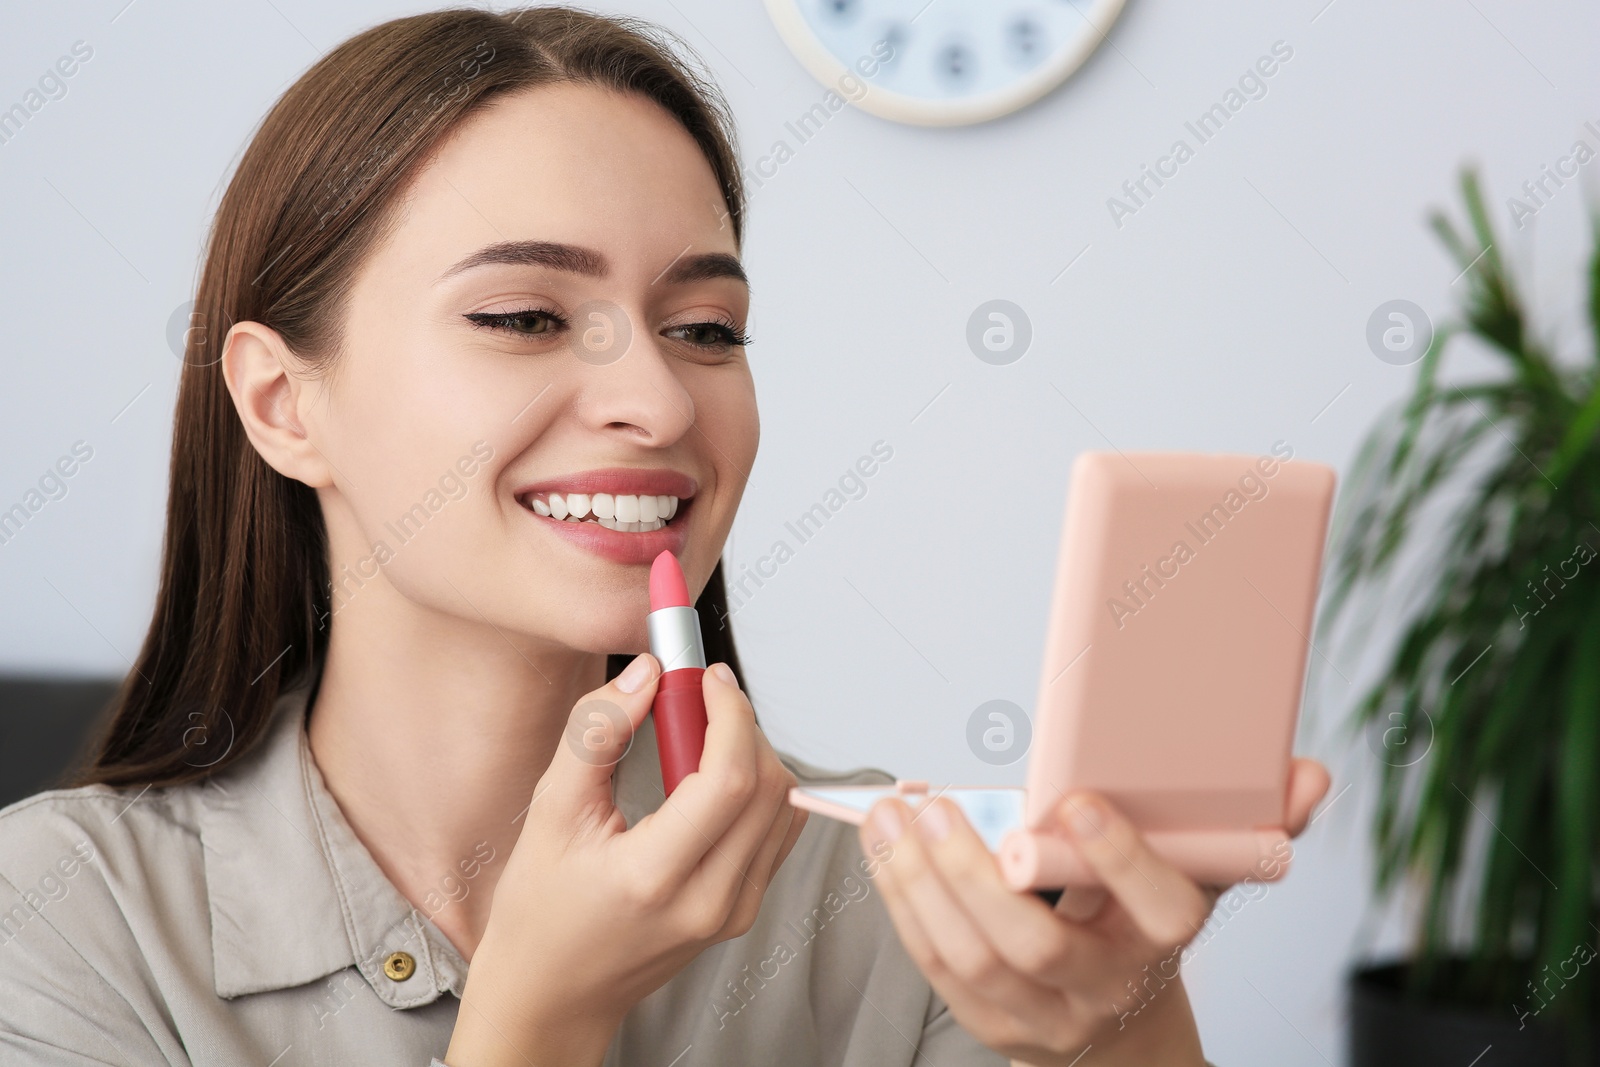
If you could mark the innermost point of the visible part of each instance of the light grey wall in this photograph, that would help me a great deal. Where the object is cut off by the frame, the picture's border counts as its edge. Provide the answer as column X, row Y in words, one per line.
column 1228, row 312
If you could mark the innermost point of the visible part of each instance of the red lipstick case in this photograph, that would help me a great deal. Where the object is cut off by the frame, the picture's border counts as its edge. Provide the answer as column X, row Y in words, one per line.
column 679, row 707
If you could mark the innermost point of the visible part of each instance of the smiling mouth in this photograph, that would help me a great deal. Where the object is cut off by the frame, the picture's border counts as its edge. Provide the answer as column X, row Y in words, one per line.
column 623, row 512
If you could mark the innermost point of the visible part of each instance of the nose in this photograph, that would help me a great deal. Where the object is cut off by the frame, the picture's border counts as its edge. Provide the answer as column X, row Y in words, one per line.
column 637, row 393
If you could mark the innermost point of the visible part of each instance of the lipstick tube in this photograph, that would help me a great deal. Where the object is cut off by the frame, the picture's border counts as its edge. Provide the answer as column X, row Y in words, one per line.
column 679, row 707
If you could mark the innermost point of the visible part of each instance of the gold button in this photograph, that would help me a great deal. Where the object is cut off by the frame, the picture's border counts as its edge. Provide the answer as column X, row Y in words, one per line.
column 399, row 966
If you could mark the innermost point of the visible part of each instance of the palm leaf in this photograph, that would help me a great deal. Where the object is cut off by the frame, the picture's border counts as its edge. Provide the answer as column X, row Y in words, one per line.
column 1476, row 509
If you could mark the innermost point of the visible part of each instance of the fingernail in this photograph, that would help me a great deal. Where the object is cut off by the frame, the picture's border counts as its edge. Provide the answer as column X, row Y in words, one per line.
column 635, row 674
column 1087, row 818
column 933, row 822
column 888, row 821
column 724, row 674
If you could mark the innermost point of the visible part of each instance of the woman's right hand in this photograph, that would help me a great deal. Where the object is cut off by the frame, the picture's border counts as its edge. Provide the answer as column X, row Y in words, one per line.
column 589, row 916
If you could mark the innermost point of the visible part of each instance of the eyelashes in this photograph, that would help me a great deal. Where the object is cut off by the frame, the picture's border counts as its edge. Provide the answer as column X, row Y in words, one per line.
column 545, row 322
column 530, row 322
column 725, row 335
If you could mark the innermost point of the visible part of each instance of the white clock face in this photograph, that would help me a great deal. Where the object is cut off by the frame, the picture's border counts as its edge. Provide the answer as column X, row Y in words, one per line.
column 943, row 62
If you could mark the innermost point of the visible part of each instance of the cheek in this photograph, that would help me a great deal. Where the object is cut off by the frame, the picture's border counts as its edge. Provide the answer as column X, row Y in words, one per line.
column 726, row 416
column 726, row 412
column 396, row 439
column 414, row 452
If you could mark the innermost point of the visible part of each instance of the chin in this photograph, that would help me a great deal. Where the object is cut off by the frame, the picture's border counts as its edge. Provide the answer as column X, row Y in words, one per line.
column 620, row 632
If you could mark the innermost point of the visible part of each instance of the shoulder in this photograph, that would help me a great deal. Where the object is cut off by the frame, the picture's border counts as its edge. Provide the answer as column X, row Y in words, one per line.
column 809, row 772
column 62, row 829
column 118, row 853
column 93, row 881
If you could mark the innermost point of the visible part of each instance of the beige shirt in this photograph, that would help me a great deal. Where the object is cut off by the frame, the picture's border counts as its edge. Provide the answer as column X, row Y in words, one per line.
column 241, row 922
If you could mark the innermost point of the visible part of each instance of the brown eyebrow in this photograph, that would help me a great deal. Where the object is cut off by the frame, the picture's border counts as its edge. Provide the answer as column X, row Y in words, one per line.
column 701, row 267
column 576, row 259
column 572, row 258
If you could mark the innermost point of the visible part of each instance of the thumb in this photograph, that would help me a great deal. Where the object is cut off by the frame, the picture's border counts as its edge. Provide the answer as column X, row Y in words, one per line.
column 1308, row 784
column 598, row 734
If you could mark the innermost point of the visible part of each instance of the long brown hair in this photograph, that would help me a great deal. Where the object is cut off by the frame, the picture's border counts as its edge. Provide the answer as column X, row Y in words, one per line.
column 244, row 570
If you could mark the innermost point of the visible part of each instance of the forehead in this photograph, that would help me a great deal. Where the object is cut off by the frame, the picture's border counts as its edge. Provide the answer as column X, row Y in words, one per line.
column 572, row 163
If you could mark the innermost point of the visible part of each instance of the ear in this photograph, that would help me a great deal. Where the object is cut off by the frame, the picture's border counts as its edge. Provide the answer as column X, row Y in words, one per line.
column 271, row 400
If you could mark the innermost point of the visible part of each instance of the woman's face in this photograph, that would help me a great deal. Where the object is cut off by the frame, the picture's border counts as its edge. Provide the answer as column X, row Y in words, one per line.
column 554, row 325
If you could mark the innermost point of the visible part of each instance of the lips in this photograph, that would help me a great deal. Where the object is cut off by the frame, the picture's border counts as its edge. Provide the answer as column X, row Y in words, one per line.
column 625, row 481
column 624, row 514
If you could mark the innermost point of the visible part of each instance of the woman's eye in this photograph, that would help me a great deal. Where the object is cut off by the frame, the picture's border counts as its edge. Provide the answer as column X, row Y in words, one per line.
column 533, row 322
column 709, row 335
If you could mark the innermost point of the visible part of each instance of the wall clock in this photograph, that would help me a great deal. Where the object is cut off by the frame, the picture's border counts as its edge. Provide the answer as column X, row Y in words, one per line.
column 948, row 62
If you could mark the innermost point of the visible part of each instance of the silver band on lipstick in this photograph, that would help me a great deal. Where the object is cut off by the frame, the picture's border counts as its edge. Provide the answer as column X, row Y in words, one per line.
column 675, row 638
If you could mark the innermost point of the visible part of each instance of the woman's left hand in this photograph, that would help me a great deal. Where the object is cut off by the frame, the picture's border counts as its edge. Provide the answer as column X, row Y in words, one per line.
column 1039, row 984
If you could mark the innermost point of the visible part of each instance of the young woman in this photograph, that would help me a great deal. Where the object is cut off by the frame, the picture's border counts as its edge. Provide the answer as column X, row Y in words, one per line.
column 468, row 351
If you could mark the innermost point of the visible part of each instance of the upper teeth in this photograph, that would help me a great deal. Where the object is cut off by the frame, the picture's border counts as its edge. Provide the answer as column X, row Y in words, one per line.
column 630, row 512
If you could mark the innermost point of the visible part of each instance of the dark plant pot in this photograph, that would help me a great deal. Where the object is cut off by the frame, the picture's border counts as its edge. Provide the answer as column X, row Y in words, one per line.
column 1387, row 1030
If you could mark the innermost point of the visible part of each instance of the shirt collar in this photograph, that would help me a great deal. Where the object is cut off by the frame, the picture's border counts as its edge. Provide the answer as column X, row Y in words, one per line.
column 294, row 894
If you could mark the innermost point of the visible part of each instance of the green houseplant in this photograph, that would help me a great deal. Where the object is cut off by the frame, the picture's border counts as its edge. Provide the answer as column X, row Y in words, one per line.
column 1473, row 517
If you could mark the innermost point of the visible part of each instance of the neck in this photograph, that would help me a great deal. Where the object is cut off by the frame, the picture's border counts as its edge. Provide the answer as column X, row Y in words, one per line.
column 431, row 732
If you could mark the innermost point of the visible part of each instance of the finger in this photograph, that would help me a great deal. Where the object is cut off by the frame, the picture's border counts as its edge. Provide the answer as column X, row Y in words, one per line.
column 1081, row 903
column 797, row 823
column 1163, row 902
column 1029, row 937
column 967, row 957
column 977, row 1013
column 880, row 852
column 679, row 834
column 598, row 733
column 780, row 838
column 726, row 871
column 787, row 825
column 758, row 874
column 796, row 817
column 1308, row 784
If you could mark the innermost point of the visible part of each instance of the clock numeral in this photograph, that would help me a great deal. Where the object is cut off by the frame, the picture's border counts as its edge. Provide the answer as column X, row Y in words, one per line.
column 945, row 62
column 1025, row 40
column 895, row 37
column 843, row 10
column 956, row 61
